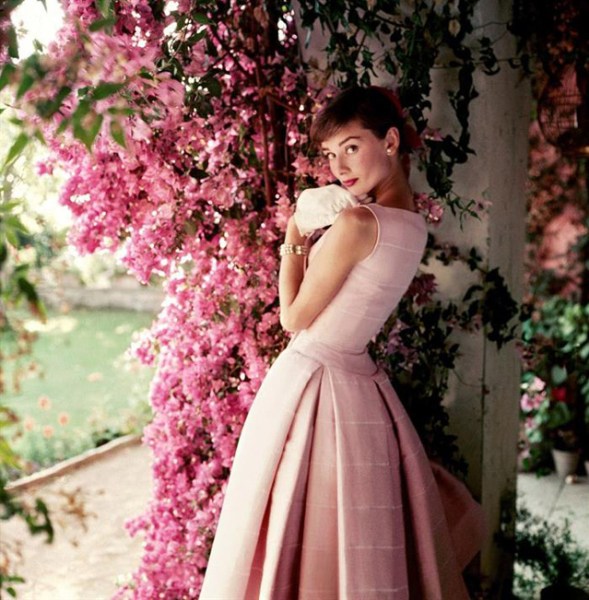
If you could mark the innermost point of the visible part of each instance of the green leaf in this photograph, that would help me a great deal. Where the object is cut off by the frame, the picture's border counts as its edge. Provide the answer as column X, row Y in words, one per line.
column 145, row 74
column 63, row 125
column 12, row 42
column 47, row 108
column 8, row 206
column 15, row 223
column 81, row 111
column 7, row 455
column 12, row 4
column 26, row 83
column 39, row 135
column 94, row 129
column 104, row 23
column 106, row 89
column 558, row 374
column 17, row 147
column 11, row 237
column 87, row 135
column 7, row 71
column 115, row 110
column 201, row 18
column 84, row 91
column 196, row 37
column 198, row 173
column 3, row 253
column 559, row 415
column 105, row 7
column 27, row 289
column 214, row 87
column 118, row 134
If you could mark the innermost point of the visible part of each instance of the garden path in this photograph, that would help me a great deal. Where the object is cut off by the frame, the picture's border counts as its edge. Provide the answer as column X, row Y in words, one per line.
column 87, row 564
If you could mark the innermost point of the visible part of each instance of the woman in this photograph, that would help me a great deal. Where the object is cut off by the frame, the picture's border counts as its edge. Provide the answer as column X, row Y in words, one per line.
column 331, row 495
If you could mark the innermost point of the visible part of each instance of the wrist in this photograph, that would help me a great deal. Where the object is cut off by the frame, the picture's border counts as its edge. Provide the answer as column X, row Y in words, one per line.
column 293, row 235
column 296, row 249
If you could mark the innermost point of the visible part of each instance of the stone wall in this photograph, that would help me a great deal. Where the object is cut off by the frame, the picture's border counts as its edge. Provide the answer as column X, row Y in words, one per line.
column 124, row 293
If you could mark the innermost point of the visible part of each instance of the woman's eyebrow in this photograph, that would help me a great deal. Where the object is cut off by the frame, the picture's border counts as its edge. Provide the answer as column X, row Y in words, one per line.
column 350, row 137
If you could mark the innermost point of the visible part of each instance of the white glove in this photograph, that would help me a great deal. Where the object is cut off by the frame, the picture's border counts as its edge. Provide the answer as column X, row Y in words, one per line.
column 318, row 207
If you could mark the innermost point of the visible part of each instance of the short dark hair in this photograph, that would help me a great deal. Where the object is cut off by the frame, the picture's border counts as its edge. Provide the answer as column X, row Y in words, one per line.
column 373, row 107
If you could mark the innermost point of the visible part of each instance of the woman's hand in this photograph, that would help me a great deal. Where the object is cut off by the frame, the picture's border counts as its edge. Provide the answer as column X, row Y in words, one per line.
column 319, row 207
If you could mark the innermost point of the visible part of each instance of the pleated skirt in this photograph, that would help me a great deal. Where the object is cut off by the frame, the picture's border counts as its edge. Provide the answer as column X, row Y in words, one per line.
column 332, row 497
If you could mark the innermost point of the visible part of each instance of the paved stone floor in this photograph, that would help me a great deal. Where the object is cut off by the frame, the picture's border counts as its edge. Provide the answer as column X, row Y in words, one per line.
column 86, row 563
column 555, row 500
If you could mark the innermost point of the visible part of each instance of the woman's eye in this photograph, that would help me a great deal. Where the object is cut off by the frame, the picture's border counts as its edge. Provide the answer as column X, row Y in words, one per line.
column 328, row 155
column 351, row 149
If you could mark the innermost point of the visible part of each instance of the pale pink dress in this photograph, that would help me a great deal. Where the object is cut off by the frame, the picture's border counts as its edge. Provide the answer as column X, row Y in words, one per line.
column 331, row 495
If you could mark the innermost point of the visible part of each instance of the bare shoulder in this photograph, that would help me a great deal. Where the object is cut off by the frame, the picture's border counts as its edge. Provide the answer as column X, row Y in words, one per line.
column 357, row 218
column 358, row 229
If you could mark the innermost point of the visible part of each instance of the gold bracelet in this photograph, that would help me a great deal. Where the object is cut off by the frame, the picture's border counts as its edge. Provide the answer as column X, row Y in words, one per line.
column 293, row 249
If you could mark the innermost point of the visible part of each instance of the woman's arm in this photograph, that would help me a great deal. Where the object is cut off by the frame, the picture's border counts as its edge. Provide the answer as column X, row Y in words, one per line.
column 304, row 295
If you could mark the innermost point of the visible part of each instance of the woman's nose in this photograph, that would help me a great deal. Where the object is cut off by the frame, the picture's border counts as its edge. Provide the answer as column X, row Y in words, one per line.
column 340, row 165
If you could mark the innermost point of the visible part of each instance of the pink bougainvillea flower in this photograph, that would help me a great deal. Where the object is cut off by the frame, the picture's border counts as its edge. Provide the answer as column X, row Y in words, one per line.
column 422, row 288
column 431, row 208
column 44, row 168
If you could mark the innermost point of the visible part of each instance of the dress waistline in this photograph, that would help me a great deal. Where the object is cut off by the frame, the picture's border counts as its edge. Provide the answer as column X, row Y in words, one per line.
column 352, row 362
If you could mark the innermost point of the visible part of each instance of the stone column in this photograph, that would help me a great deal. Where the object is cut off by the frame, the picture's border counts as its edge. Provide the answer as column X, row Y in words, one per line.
column 484, row 399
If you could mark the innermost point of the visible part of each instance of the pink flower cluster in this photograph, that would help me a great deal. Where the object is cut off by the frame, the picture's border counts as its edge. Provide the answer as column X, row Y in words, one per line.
column 185, row 200
column 431, row 208
column 396, row 346
column 534, row 395
column 422, row 288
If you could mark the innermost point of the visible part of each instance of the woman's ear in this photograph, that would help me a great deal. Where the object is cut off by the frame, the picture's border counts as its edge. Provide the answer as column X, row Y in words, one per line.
column 392, row 141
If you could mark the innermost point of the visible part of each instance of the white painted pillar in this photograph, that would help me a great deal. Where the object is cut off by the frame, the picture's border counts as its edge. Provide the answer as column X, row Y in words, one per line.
column 483, row 401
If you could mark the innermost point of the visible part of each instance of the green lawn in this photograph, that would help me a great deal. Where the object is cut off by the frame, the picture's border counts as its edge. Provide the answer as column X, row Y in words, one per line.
column 86, row 383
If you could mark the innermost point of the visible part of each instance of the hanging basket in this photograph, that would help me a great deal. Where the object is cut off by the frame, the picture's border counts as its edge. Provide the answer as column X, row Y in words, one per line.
column 563, row 111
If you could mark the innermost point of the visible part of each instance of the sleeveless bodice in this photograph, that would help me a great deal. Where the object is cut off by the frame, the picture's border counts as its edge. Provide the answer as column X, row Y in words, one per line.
column 375, row 285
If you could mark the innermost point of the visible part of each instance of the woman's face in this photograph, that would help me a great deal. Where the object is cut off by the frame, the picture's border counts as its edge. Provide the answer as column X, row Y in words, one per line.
column 358, row 158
